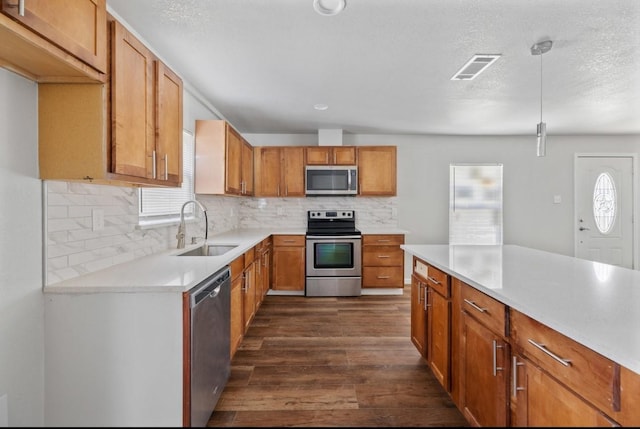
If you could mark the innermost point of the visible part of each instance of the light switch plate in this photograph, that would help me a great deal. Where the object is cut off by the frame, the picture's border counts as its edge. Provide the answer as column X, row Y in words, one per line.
column 557, row 199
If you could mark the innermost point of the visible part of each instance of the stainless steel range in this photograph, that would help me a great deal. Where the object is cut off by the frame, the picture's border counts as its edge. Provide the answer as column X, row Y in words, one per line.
column 334, row 254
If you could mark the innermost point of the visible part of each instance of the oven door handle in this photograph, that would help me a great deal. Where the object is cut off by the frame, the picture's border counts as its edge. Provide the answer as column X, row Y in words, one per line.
column 333, row 237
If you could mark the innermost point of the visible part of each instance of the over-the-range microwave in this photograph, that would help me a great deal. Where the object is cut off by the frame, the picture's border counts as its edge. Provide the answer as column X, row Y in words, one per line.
column 331, row 180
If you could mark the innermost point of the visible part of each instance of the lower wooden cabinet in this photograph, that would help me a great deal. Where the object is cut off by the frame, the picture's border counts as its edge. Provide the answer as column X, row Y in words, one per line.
column 419, row 314
column 236, row 306
column 288, row 263
column 485, row 363
column 537, row 399
column 382, row 261
column 249, row 289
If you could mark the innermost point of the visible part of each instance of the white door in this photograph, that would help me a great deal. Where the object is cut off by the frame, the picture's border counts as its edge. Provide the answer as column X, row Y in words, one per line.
column 604, row 209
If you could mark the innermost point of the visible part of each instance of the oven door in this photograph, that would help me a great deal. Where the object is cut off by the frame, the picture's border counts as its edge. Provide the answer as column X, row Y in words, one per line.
column 333, row 256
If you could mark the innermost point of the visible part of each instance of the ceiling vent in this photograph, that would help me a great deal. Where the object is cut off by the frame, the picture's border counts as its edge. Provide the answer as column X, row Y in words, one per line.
column 476, row 65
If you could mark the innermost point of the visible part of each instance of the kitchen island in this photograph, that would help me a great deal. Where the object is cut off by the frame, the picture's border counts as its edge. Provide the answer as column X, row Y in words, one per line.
column 591, row 304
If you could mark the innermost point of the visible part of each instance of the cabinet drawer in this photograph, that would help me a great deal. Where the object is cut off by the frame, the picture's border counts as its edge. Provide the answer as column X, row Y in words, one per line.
column 382, row 277
column 288, row 240
column 382, row 256
column 433, row 277
column 485, row 309
column 382, row 239
column 237, row 266
column 249, row 257
column 588, row 373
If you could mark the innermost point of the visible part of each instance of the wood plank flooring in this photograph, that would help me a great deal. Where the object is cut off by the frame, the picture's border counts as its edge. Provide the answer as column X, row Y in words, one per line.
column 336, row 361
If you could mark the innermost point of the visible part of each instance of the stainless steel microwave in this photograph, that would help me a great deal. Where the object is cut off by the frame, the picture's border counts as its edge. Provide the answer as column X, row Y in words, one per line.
column 331, row 180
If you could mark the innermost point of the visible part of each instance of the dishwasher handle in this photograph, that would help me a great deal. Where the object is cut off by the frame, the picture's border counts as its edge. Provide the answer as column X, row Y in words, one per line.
column 210, row 287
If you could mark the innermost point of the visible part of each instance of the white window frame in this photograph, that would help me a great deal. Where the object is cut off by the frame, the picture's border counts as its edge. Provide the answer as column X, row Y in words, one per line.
column 161, row 206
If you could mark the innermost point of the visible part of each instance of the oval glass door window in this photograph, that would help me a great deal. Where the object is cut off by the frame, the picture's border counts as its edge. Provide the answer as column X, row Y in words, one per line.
column 604, row 203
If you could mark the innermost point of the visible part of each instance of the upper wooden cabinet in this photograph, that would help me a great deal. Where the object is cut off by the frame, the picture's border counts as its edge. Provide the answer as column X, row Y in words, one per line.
column 331, row 155
column 128, row 132
column 279, row 171
column 224, row 160
column 377, row 171
column 54, row 41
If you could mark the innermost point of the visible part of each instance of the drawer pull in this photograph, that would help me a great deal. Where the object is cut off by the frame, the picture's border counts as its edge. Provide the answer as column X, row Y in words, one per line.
column 383, row 256
column 543, row 348
column 514, row 376
column 473, row 304
column 496, row 368
column 383, row 241
column 384, row 277
column 431, row 279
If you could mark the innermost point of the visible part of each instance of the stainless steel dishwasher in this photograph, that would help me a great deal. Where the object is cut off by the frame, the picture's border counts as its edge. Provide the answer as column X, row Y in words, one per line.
column 210, row 344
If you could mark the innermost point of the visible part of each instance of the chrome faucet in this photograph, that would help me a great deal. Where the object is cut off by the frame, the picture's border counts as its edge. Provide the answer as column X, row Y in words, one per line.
column 182, row 228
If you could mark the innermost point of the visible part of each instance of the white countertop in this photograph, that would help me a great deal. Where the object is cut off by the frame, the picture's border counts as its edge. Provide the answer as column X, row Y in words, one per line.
column 597, row 305
column 165, row 272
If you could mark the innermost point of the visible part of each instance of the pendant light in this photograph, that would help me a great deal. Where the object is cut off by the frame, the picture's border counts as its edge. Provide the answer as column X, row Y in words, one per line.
column 541, row 129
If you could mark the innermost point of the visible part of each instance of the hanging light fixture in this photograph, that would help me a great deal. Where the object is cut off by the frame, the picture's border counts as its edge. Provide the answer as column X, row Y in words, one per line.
column 541, row 130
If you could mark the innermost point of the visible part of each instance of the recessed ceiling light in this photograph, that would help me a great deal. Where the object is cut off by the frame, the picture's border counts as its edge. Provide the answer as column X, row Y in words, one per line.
column 476, row 65
column 329, row 7
column 320, row 106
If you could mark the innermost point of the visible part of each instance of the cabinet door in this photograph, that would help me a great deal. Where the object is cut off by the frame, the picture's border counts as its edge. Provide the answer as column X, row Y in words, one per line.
column 236, row 311
column 77, row 26
column 485, row 374
column 438, row 331
column 249, row 295
column 168, row 125
column 418, row 315
column 377, row 170
column 133, row 131
column 318, row 155
column 247, row 168
column 538, row 400
column 233, row 179
column 344, row 155
column 267, row 168
column 293, row 171
column 288, row 268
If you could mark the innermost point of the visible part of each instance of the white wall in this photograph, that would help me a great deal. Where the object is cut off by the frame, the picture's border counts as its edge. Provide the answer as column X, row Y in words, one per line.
column 21, row 300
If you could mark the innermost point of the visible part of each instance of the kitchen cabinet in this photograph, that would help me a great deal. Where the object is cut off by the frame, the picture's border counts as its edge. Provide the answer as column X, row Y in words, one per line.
column 432, row 319
column 263, row 270
column 236, row 303
column 485, row 360
column 249, row 292
column 224, row 160
column 557, row 381
column 128, row 132
column 279, row 171
column 62, row 41
column 288, row 263
column 331, row 155
column 419, row 314
column 377, row 171
column 382, row 261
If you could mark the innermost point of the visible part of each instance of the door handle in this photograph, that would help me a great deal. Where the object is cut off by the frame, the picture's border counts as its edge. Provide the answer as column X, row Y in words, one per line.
column 584, row 228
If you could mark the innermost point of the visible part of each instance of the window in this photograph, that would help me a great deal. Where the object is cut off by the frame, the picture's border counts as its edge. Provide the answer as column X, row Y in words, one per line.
column 162, row 205
column 475, row 204
column 604, row 203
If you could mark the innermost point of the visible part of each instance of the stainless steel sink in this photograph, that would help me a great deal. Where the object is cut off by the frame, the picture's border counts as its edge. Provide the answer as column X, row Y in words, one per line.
column 209, row 250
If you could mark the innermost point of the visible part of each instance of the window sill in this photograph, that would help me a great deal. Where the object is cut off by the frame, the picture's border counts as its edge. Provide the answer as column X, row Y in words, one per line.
column 160, row 222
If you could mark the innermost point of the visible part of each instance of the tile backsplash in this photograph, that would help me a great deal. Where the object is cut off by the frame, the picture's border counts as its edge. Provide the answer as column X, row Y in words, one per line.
column 73, row 247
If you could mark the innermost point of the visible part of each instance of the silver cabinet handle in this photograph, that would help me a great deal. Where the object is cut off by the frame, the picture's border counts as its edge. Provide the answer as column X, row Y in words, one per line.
column 278, row 189
column 514, row 376
column 473, row 304
column 426, row 297
column 420, row 286
column 384, row 277
column 543, row 348
column 21, row 7
column 166, row 166
column 431, row 279
column 153, row 166
column 496, row 368
column 383, row 256
column 383, row 241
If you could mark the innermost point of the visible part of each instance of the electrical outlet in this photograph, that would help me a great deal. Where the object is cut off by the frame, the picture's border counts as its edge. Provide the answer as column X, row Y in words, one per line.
column 394, row 212
column 97, row 219
column 557, row 199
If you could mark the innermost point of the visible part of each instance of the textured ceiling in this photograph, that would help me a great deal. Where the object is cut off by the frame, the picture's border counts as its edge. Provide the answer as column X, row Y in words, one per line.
column 384, row 66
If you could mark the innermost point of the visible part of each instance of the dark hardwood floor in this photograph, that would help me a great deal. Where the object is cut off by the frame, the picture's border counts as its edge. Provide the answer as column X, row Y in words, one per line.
column 345, row 361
